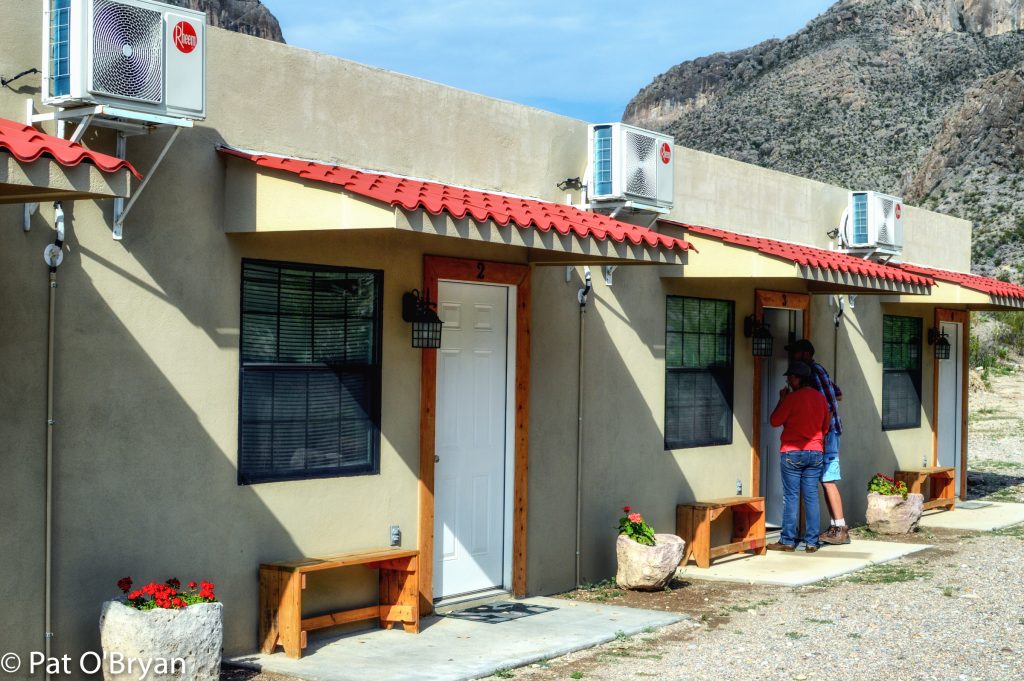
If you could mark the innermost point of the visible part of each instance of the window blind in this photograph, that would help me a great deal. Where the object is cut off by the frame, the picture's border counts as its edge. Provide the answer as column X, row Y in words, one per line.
column 310, row 372
column 698, row 372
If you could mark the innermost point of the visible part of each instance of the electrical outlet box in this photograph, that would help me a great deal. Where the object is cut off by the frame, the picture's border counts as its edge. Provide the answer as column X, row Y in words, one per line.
column 396, row 535
column 739, row 488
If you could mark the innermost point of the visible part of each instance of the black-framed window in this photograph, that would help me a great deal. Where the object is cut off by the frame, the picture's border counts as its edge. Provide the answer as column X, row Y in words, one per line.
column 310, row 372
column 698, row 372
column 901, row 372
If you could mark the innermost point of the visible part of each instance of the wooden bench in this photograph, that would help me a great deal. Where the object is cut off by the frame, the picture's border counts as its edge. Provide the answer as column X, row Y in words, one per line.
column 281, row 585
column 940, row 482
column 693, row 524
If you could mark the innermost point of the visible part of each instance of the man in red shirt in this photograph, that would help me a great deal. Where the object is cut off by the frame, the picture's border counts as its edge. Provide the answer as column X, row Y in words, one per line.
column 804, row 416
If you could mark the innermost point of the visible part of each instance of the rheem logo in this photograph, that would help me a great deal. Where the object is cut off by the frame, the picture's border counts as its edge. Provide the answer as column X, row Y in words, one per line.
column 185, row 38
column 666, row 153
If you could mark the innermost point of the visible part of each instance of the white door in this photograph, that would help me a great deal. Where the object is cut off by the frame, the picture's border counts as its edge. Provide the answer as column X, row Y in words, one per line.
column 470, row 445
column 951, row 401
column 780, row 323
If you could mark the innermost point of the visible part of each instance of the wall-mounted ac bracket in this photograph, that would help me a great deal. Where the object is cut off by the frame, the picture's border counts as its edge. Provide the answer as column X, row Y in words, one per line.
column 127, row 124
column 615, row 208
column 881, row 255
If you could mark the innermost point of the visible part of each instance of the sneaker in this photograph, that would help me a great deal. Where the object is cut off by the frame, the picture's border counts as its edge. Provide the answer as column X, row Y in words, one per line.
column 840, row 536
column 831, row 532
column 810, row 549
column 779, row 546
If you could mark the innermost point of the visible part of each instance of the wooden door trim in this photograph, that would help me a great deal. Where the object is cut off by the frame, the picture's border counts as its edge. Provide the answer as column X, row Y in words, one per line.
column 482, row 272
column 787, row 300
column 963, row 318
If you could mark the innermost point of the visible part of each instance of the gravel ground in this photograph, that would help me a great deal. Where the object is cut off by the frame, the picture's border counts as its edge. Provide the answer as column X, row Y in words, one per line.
column 953, row 612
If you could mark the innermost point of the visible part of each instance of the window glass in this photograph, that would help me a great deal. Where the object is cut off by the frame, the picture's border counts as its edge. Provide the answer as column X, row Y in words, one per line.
column 901, row 367
column 310, row 372
column 698, row 372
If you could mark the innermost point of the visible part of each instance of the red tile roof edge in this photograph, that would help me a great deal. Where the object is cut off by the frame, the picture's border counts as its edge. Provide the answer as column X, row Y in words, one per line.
column 481, row 206
column 975, row 282
column 27, row 144
column 810, row 256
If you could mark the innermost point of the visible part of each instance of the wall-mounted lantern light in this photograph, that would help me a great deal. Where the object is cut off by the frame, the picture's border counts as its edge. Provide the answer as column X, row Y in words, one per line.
column 941, row 342
column 421, row 313
column 762, row 341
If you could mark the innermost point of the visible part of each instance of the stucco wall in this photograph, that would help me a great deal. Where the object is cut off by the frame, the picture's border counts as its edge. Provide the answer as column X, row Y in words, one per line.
column 624, row 461
column 719, row 192
column 866, row 449
column 147, row 336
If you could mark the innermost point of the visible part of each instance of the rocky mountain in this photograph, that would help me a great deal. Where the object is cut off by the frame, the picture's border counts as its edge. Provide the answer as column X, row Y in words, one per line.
column 243, row 16
column 919, row 98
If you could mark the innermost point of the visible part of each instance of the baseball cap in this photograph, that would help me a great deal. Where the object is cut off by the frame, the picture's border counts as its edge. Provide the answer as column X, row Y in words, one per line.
column 800, row 369
column 802, row 345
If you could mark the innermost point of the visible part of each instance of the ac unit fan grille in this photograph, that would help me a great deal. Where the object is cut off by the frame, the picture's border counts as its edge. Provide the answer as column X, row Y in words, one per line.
column 641, row 165
column 886, row 228
column 128, row 51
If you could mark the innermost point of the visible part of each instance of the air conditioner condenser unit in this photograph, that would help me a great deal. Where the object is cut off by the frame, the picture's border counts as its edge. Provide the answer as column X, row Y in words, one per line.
column 135, row 55
column 873, row 223
column 630, row 165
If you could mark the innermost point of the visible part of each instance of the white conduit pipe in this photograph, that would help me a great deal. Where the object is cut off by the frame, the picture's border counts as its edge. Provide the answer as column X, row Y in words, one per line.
column 53, row 256
column 581, row 296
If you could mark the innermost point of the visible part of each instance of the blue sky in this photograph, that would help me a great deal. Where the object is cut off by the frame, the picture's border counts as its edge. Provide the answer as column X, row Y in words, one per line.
column 584, row 60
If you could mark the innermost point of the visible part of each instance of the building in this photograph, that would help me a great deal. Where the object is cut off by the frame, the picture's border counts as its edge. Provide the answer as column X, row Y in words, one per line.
column 203, row 427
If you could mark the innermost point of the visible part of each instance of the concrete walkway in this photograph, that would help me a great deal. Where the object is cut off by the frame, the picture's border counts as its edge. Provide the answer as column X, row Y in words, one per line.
column 992, row 515
column 449, row 648
column 799, row 568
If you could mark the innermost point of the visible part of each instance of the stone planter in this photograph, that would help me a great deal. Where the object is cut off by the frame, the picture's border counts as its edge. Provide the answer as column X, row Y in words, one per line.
column 179, row 645
column 892, row 514
column 647, row 568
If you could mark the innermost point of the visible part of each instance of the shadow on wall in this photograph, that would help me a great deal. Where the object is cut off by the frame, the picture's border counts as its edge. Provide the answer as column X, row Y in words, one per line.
column 865, row 448
column 145, row 479
column 142, row 496
column 624, row 461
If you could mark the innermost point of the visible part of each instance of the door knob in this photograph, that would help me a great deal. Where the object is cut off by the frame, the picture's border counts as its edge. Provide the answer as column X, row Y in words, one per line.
column 437, row 459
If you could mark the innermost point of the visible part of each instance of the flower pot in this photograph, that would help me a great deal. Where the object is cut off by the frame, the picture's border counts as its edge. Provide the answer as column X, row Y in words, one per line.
column 892, row 514
column 647, row 568
column 183, row 644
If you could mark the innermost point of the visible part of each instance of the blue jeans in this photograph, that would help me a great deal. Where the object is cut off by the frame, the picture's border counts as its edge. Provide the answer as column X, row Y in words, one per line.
column 801, row 471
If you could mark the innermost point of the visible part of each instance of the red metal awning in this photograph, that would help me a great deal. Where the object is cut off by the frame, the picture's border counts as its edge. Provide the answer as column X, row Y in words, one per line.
column 813, row 258
column 27, row 144
column 999, row 291
column 459, row 202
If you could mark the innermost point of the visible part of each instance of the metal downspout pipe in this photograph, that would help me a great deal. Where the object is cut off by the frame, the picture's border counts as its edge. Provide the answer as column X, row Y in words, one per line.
column 53, row 255
column 581, row 296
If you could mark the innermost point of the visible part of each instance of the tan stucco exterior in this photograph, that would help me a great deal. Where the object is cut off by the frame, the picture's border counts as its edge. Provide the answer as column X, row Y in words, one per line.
column 148, row 327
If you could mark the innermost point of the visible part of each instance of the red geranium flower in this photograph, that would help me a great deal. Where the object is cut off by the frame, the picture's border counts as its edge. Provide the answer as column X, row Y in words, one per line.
column 166, row 595
column 627, row 509
column 124, row 584
column 635, row 518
